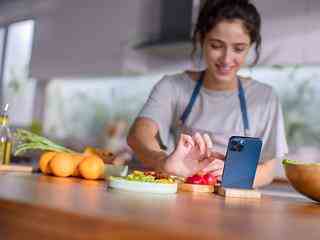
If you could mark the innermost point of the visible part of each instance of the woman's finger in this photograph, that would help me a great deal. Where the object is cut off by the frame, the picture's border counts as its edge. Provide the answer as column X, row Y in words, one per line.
column 208, row 143
column 200, row 142
column 203, row 164
column 217, row 155
column 189, row 140
column 216, row 165
column 217, row 175
column 186, row 141
column 217, row 172
column 210, row 168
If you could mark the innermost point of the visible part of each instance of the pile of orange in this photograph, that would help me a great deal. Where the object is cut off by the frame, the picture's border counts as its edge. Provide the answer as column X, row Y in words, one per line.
column 87, row 165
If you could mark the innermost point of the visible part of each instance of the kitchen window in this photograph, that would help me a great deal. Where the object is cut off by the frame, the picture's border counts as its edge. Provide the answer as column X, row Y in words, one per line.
column 298, row 89
column 17, row 88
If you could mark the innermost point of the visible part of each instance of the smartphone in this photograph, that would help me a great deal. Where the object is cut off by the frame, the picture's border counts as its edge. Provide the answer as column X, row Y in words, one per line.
column 241, row 161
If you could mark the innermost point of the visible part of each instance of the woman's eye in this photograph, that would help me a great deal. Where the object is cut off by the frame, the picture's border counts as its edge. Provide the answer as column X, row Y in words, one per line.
column 216, row 46
column 239, row 50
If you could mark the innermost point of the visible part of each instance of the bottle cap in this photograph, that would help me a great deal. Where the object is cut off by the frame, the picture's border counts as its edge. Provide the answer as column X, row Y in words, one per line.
column 4, row 115
column 6, row 107
column 5, row 110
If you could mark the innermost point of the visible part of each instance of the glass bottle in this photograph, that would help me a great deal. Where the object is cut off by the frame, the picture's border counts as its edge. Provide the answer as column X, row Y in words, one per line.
column 5, row 137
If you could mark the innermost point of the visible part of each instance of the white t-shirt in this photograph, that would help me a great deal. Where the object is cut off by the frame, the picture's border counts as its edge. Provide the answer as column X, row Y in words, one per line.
column 217, row 113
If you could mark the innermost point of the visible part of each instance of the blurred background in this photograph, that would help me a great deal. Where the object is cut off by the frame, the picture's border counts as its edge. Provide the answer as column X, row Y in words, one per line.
column 79, row 71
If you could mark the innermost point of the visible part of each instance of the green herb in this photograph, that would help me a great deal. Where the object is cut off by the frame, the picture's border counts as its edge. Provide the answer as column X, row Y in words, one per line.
column 29, row 141
column 287, row 161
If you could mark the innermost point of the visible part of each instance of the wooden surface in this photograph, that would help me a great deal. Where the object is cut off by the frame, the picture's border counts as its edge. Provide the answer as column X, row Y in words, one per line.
column 33, row 206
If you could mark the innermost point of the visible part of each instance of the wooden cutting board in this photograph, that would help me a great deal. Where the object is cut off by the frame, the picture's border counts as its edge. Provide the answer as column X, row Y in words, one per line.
column 16, row 168
column 196, row 188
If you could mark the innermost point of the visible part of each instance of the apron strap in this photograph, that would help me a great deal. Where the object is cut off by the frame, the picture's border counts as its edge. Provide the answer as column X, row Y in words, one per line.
column 242, row 101
column 243, row 108
column 192, row 100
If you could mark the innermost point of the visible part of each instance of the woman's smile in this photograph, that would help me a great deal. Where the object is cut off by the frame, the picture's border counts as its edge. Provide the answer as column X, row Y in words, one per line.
column 224, row 70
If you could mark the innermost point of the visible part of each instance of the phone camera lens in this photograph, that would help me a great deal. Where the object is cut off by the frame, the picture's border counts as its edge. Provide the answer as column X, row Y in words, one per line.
column 237, row 144
column 234, row 142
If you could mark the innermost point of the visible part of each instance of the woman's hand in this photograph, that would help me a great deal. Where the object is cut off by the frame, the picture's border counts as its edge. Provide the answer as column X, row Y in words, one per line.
column 122, row 158
column 191, row 155
column 215, row 168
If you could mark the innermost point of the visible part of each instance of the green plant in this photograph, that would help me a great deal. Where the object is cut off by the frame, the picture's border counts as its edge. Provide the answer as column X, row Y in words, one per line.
column 299, row 112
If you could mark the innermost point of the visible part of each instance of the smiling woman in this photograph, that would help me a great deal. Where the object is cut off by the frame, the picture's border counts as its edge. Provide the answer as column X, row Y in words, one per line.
column 225, row 49
column 185, row 125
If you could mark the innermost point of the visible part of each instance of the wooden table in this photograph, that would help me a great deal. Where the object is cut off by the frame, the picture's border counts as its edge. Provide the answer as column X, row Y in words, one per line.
column 34, row 206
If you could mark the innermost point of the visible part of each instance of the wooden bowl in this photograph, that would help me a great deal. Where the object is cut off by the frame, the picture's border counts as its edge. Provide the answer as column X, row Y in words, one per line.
column 305, row 178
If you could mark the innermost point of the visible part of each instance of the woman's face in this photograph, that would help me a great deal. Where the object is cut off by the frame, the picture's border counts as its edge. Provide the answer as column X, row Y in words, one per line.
column 225, row 49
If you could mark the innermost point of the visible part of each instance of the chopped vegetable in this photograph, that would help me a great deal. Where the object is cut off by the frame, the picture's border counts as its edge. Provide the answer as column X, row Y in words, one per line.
column 287, row 161
column 151, row 177
column 207, row 179
column 210, row 179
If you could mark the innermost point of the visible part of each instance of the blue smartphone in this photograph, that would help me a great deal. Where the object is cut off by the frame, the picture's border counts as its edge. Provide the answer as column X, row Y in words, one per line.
column 241, row 161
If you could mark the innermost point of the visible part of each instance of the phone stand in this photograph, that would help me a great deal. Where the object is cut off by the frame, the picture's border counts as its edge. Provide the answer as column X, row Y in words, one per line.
column 237, row 192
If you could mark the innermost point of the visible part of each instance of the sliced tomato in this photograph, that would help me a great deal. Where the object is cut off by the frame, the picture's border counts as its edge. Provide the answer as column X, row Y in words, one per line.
column 189, row 180
column 210, row 179
column 195, row 179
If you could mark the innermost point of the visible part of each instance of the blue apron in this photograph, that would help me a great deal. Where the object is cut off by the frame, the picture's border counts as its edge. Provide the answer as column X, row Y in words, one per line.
column 242, row 100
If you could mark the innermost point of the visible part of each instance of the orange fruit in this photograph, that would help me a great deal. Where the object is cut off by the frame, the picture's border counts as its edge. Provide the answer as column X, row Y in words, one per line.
column 106, row 155
column 62, row 165
column 92, row 167
column 45, row 160
column 90, row 151
column 77, row 158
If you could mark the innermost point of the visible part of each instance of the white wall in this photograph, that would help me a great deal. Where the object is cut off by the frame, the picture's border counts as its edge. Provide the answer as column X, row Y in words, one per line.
column 290, row 31
column 88, row 38
column 94, row 37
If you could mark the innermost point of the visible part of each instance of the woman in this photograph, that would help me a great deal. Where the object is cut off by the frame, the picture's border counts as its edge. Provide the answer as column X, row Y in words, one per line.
column 185, row 125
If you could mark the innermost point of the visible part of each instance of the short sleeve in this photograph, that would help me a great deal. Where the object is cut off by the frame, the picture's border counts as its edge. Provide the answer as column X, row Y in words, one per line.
column 273, row 135
column 160, row 107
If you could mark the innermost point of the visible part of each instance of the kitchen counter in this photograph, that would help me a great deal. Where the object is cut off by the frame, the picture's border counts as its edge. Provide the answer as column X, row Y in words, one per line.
column 33, row 206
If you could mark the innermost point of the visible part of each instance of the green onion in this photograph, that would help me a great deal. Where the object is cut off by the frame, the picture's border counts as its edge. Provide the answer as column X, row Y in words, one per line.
column 29, row 141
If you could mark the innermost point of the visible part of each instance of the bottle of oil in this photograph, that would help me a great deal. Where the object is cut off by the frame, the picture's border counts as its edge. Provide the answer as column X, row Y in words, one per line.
column 5, row 137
